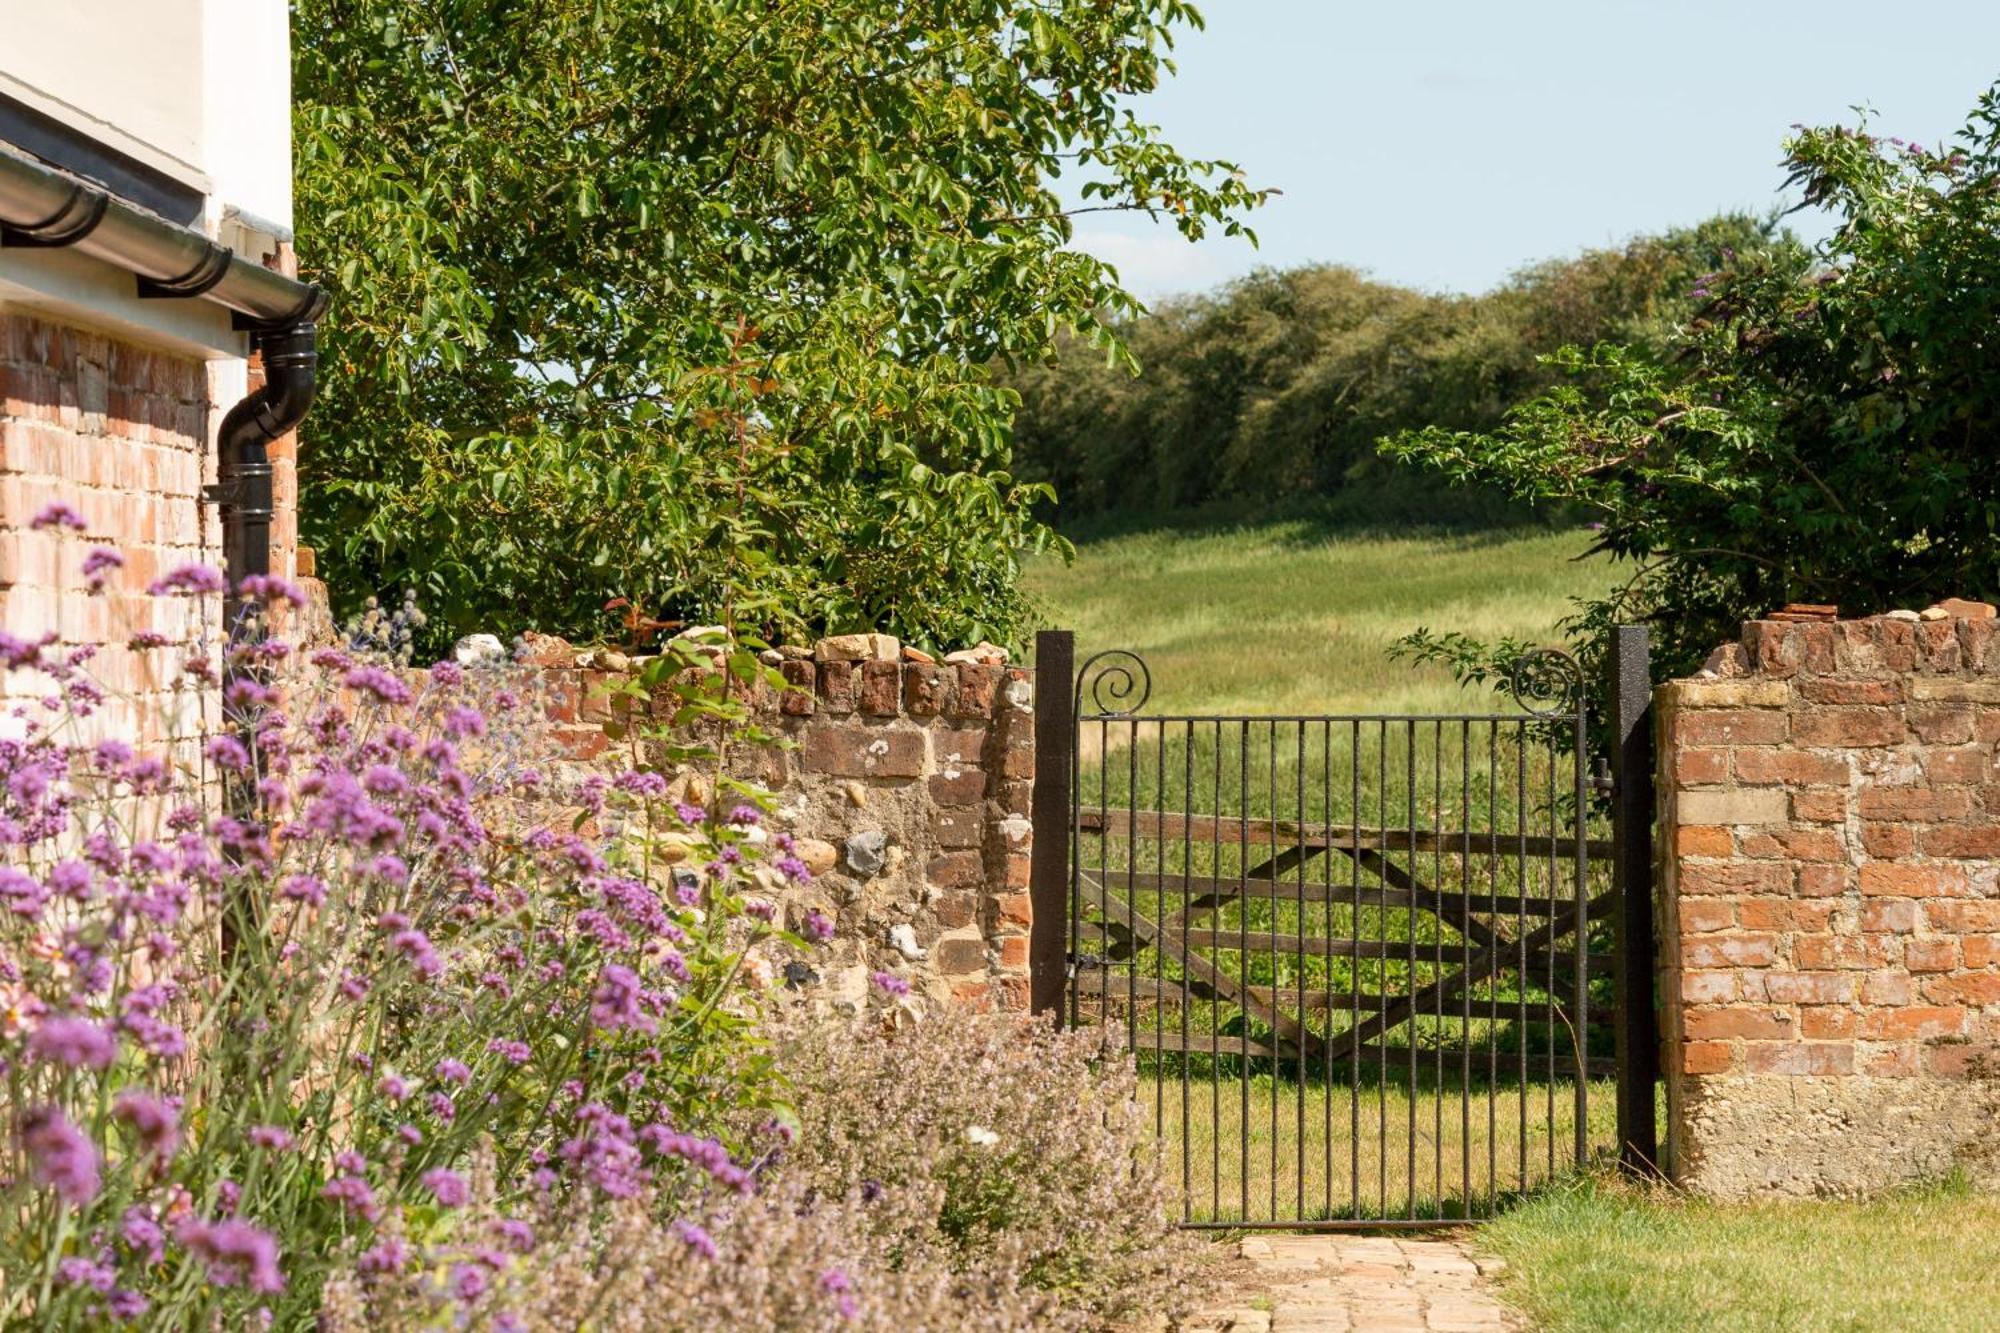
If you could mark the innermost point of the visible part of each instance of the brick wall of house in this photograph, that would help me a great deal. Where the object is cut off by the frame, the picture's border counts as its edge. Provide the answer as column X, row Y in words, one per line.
column 121, row 433
column 1831, row 942
column 907, row 784
column 124, row 433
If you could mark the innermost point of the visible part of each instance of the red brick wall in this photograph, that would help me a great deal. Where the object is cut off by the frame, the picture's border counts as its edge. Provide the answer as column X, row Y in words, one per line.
column 1832, row 901
column 121, row 433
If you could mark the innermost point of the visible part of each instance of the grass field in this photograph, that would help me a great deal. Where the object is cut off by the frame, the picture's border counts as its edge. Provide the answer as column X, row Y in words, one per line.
column 1591, row 1255
column 1263, row 1148
column 1295, row 617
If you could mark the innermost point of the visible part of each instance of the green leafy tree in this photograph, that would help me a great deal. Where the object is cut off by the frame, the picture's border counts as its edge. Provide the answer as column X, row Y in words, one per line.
column 1822, row 429
column 689, row 302
column 1281, row 383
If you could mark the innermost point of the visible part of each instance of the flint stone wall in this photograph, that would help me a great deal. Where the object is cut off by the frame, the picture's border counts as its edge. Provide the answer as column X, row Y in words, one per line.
column 907, row 785
column 1831, row 896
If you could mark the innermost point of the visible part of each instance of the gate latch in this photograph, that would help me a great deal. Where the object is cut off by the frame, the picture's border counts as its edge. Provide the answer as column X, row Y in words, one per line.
column 1601, row 780
column 1079, row 962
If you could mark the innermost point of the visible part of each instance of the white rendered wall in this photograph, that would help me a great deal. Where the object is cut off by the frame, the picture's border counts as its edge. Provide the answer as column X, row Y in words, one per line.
column 129, row 73
column 197, row 89
column 247, row 96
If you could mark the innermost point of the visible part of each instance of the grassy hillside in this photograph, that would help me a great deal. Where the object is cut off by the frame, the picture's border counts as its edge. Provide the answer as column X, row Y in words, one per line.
column 1292, row 616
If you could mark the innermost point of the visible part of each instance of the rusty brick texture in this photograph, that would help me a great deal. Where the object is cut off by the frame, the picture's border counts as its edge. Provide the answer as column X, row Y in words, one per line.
column 119, row 432
column 1830, row 903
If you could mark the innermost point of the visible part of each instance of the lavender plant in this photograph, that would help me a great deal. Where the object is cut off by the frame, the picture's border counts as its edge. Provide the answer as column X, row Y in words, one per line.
column 249, row 1046
column 1018, row 1153
column 970, row 1172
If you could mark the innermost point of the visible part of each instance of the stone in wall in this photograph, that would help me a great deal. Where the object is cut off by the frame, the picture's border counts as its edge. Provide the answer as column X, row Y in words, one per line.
column 1831, row 903
column 907, row 784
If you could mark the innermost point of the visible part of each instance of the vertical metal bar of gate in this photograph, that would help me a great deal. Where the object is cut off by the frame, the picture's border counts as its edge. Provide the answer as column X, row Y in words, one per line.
column 1051, row 810
column 1580, row 759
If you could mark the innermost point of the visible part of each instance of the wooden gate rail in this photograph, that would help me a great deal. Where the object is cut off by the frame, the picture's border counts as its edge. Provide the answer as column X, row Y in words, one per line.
column 1232, row 830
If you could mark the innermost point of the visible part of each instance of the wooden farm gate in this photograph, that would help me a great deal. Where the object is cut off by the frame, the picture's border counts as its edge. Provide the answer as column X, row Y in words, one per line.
column 1373, row 969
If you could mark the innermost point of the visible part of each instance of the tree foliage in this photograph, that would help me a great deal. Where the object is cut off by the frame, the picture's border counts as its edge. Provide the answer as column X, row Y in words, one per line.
column 1281, row 383
column 689, row 302
column 1822, row 429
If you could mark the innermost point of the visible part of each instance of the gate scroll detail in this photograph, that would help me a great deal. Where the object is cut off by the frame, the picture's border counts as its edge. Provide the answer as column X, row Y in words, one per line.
column 1351, row 954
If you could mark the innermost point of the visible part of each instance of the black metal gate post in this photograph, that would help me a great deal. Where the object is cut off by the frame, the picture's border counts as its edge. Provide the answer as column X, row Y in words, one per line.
column 1637, row 1029
column 1055, row 774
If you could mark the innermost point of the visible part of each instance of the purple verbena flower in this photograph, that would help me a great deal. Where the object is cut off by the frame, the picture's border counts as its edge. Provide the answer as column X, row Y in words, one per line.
column 354, row 1194
column 617, row 1002
column 58, row 515
column 142, row 1235
column 190, row 579
column 308, row 889
column 515, row 1234
column 155, row 1121
column 59, row 1156
column 269, row 588
column 385, row 685
column 98, row 563
column 513, row 1052
column 697, row 1238
column 236, row 1253
column 82, row 1271
column 227, row 752
column 447, row 1187
column 75, row 1042
column 836, row 1283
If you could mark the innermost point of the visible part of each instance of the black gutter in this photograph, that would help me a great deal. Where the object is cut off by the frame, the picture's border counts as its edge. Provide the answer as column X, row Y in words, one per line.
column 42, row 207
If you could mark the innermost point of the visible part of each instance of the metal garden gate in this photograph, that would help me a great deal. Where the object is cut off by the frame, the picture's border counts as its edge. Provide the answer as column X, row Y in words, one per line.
column 1374, row 970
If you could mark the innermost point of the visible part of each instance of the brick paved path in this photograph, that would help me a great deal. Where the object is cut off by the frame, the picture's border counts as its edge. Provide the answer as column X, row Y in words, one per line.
column 1355, row 1284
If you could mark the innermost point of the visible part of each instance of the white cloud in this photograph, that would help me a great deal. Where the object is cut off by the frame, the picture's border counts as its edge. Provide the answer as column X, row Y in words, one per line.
column 1156, row 264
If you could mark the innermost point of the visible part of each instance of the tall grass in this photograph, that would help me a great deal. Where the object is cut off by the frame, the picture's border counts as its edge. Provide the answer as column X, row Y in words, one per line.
column 1296, row 617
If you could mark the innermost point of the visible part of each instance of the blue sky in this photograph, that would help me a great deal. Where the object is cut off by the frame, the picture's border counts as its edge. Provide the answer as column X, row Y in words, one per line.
column 1444, row 143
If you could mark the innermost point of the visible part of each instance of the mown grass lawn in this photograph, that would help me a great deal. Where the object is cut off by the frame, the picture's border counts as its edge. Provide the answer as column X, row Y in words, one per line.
column 1298, row 616
column 1597, row 1255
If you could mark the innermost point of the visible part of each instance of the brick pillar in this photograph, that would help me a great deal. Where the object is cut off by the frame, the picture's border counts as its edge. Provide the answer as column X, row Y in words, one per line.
column 1831, row 932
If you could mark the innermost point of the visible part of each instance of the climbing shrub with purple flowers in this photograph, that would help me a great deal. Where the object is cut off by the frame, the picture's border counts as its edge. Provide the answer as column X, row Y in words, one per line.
column 274, row 999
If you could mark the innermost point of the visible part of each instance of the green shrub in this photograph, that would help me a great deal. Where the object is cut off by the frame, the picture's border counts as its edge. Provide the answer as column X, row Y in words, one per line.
column 1821, row 428
column 656, row 300
column 1278, row 386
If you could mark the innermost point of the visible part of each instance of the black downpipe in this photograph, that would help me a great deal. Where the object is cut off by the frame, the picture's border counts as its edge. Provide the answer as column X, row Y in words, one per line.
column 245, row 493
column 291, row 360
